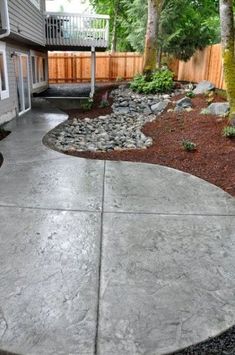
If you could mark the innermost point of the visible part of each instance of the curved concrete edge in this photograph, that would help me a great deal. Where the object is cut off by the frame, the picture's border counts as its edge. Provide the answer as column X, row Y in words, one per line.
column 1, row 159
column 48, row 144
column 129, row 168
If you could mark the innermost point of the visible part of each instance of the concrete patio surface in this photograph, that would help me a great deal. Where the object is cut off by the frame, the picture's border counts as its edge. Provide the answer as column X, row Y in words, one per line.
column 108, row 257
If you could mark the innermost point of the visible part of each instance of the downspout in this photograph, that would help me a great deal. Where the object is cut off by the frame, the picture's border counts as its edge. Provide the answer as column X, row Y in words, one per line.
column 5, row 21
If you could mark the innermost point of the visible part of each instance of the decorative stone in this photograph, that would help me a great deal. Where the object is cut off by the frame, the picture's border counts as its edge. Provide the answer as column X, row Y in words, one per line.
column 184, row 102
column 203, row 87
column 218, row 108
column 160, row 107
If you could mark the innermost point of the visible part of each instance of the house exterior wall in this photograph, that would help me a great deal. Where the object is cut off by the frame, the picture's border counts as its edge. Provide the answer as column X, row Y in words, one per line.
column 27, row 34
column 9, row 106
column 27, row 21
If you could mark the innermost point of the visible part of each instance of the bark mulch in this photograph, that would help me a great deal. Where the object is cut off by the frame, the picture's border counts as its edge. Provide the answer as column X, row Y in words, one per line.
column 213, row 160
column 3, row 134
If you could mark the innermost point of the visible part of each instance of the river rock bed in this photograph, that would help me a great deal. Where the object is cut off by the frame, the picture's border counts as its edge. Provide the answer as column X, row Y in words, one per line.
column 116, row 131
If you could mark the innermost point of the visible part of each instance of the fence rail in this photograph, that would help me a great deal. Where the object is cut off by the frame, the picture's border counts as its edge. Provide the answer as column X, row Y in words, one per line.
column 204, row 65
column 75, row 67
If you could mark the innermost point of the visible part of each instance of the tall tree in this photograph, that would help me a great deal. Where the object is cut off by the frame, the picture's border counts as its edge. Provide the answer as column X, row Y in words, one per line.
column 115, row 24
column 151, row 39
column 227, row 41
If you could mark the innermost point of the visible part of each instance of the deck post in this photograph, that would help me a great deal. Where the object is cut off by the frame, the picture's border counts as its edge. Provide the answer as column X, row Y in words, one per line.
column 93, row 70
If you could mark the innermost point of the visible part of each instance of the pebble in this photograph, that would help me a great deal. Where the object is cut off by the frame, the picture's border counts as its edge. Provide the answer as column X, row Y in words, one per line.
column 117, row 131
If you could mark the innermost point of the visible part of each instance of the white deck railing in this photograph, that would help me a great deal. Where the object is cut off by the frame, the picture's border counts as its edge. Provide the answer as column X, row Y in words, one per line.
column 76, row 30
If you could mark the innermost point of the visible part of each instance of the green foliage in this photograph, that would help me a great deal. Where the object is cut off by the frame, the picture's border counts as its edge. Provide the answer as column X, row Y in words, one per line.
column 188, row 26
column 188, row 145
column 190, row 94
column 185, row 26
column 104, row 103
column 229, row 131
column 205, row 111
column 160, row 81
column 86, row 105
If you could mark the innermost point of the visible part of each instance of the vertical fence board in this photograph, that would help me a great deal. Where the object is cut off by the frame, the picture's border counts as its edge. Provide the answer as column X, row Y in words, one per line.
column 74, row 67
column 204, row 65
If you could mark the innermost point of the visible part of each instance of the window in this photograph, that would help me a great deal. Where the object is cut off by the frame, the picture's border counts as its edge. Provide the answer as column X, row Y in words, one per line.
column 39, row 69
column 4, row 19
column 4, row 89
column 36, row 3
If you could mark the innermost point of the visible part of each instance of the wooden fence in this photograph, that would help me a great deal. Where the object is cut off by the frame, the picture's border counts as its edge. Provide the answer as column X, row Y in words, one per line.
column 204, row 65
column 74, row 67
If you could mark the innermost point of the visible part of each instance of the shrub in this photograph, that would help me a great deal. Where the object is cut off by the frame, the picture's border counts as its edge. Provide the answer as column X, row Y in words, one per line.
column 188, row 145
column 86, row 105
column 205, row 111
column 104, row 103
column 190, row 94
column 229, row 131
column 160, row 81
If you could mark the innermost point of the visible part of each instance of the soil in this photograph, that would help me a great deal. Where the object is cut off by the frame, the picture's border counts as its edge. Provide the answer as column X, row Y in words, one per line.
column 3, row 134
column 213, row 160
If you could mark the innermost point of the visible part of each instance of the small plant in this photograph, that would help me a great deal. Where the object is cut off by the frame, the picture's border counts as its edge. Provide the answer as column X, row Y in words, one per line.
column 86, row 105
column 229, row 131
column 160, row 81
column 104, row 103
column 188, row 145
column 205, row 111
column 119, row 78
column 190, row 94
column 210, row 96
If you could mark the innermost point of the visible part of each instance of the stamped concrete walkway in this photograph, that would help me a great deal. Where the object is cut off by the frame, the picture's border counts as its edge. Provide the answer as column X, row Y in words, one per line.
column 108, row 257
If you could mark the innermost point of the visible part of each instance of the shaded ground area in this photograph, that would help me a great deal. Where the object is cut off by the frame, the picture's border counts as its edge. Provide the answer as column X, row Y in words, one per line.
column 3, row 134
column 71, row 90
column 221, row 345
column 214, row 159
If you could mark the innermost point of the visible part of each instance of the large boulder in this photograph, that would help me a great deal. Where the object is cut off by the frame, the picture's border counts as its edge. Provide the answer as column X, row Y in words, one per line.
column 203, row 87
column 159, row 107
column 185, row 102
column 218, row 108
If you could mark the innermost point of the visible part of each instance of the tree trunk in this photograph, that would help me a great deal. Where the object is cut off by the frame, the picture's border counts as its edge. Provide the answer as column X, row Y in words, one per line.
column 114, row 32
column 227, row 42
column 151, row 54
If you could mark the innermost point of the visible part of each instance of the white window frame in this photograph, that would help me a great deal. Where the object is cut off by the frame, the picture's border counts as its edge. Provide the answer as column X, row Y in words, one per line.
column 36, row 3
column 19, row 56
column 39, row 83
column 4, row 94
column 4, row 18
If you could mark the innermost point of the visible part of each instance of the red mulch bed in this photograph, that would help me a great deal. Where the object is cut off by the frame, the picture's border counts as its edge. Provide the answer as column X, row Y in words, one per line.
column 214, row 159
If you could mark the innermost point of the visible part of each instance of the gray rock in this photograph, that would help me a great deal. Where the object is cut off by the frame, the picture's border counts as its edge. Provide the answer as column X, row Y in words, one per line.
column 123, row 103
column 203, row 87
column 159, row 107
column 218, row 108
column 184, row 102
column 122, row 110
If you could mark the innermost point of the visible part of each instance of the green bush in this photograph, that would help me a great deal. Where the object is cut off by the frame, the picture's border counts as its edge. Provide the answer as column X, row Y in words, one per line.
column 190, row 94
column 160, row 81
column 188, row 145
column 104, row 103
column 86, row 105
column 229, row 131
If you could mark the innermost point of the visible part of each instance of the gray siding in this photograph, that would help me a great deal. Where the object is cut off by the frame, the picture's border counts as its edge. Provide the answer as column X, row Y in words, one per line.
column 11, row 104
column 8, row 105
column 27, row 21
